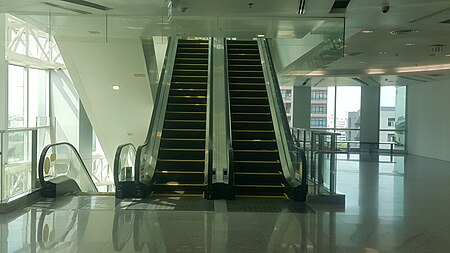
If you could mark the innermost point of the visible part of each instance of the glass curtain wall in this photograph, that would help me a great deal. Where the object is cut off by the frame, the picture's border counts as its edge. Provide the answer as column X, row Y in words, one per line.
column 393, row 116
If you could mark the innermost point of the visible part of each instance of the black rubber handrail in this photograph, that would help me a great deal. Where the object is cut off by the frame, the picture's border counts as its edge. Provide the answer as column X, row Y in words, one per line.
column 137, row 163
column 285, row 121
column 43, row 156
column 117, row 161
column 211, row 113
column 228, row 123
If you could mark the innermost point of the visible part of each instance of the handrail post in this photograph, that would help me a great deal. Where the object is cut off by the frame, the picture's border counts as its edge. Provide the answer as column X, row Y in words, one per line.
column 34, row 157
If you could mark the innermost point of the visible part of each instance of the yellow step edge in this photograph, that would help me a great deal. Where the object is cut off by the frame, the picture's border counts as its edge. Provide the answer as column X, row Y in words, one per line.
column 179, row 172
column 181, row 82
column 255, row 140
column 186, row 104
column 262, row 196
column 250, row 113
column 240, row 59
column 179, row 129
column 187, row 96
column 257, row 84
column 198, row 70
column 190, row 89
column 191, row 64
column 269, row 162
column 189, row 76
column 260, row 173
column 190, row 59
column 253, row 131
column 181, row 161
column 182, row 185
column 175, row 112
column 259, row 186
column 244, row 77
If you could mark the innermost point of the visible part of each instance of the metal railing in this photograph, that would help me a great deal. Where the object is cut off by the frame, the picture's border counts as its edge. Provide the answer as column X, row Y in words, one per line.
column 18, row 160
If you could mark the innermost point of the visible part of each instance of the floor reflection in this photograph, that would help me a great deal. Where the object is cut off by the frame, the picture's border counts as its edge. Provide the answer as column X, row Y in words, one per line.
column 392, row 206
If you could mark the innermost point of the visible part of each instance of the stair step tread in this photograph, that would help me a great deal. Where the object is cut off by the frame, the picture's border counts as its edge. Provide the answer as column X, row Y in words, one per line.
column 261, row 91
column 192, row 70
column 190, row 89
column 182, row 139
column 252, row 122
column 178, row 184
column 249, row 97
column 184, row 120
column 256, row 84
column 176, row 194
column 259, row 173
column 184, row 82
column 284, row 196
column 249, row 105
column 274, row 162
column 182, row 149
column 181, row 160
column 253, row 131
column 260, row 185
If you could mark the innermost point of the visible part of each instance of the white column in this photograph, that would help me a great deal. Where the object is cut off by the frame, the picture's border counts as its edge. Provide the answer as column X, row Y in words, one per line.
column 3, row 75
column 370, row 117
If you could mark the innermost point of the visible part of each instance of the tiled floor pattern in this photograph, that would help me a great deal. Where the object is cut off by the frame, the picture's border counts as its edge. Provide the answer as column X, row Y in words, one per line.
column 399, row 206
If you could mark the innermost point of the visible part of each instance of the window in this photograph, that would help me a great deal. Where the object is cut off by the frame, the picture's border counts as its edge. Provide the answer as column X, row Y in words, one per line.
column 319, row 109
column 17, row 96
column 391, row 122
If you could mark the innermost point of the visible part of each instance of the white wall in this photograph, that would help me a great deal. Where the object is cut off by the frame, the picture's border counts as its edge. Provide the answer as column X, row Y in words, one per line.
column 117, row 117
column 428, row 120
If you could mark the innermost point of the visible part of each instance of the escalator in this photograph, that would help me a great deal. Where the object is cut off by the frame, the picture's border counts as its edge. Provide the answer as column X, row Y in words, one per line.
column 180, row 167
column 257, row 170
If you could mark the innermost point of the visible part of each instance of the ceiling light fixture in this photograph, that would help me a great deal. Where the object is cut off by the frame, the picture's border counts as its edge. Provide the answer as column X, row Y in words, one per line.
column 261, row 35
column 316, row 73
column 301, row 7
column 116, row 87
column 410, row 44
column 375, row 71
column 382, row 52
column 448, row 55
column 423, row 68
column 367, row 31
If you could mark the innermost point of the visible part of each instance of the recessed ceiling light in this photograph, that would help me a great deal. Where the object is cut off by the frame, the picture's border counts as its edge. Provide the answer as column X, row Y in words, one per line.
column 410, row 44
column 261, row 35
column 448, row 55
column 116, row 87
column 93, row 32
column 367, row 31
column 382, row 52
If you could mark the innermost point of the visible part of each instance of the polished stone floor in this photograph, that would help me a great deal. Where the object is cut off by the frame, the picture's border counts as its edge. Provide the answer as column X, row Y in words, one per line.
column 391, row 206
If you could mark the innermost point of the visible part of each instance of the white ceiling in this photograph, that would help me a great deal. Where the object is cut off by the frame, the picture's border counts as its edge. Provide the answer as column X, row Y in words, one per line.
column 234, row 18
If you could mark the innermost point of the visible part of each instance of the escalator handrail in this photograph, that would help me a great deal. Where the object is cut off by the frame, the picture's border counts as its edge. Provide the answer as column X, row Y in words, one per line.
column 280, row 105
column 285, row 121
column 211, row 112
column 229, row 136
column 154, row 114
column 43, row 156
column 117, row 160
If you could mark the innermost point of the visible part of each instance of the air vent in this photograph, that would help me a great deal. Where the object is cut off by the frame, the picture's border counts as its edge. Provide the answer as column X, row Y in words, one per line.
column 88, row 4
column 66, row 8
column 339, row 6
column 403, row 32
column 436, row 48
